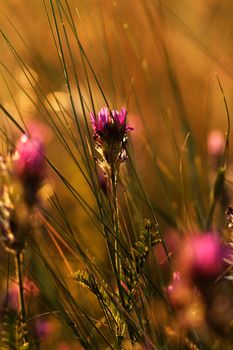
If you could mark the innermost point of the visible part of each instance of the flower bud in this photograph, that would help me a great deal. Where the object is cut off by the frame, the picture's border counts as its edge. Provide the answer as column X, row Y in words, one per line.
column 29, row 166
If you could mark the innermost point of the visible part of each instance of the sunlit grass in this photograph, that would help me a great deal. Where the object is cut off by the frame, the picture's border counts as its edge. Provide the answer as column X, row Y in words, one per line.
column 102, row 254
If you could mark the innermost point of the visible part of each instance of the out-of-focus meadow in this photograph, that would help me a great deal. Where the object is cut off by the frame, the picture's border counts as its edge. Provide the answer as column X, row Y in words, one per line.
column 159, row 59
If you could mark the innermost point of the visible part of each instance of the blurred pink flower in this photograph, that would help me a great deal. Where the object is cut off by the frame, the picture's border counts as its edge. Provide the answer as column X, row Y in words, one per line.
column 28, row 157
column 29, row 165
column 202, row 258
column 44, row 328
column 215, row 143
column 30, row 290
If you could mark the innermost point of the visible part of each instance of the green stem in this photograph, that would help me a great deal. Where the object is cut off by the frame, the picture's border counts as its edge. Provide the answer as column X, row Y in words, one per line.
column 19, row 270
column 115, row 220
column 117, row 262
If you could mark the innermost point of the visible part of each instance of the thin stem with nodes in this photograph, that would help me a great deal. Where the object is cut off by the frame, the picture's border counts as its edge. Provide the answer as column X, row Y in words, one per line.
column 117, row 262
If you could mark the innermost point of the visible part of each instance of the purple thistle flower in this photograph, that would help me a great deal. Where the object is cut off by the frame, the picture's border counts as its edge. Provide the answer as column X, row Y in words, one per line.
column 29, row 165
column 108, row 122
column 110, row 135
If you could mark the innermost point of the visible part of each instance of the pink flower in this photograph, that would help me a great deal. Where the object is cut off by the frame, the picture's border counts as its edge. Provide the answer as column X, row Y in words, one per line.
column 215, row 143
column 44, row 328
column 29, row 165
column 110, row 122
column 202, row 258
column 28, row 158
column 30, row 291
column 110, row 134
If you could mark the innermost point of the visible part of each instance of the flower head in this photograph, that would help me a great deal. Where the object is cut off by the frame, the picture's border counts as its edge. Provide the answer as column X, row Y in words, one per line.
column 215, row 143
column 203, row 258
column 110, row 123
column 110, row 135
column 28, row 159
column 29, row 165
column 22, row 174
